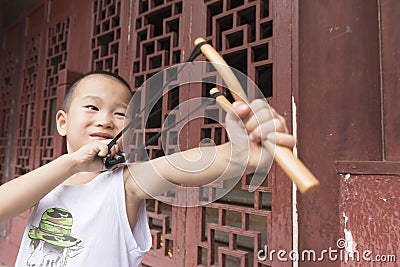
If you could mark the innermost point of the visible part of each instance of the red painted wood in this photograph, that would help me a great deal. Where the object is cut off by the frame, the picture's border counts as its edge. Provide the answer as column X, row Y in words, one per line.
column 338, row 107
column 369, row 167
column 390, row 17
column 28, row 99
column 370, row 218
column 9, row 73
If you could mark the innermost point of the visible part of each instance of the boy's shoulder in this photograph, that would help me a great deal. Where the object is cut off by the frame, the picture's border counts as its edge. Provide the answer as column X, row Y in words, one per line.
column 133, row 191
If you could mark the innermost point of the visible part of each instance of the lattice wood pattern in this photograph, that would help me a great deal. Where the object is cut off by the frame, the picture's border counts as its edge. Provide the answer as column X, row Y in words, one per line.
column 157, row 44
column 27, row 114
column 230, row 234
column 242, row 32
column 7, row 85
column 56, row 59
column 106, row 35
column 236, row 227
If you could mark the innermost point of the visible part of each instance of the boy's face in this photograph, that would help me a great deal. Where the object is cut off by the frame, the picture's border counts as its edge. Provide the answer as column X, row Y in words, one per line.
column 96, row 113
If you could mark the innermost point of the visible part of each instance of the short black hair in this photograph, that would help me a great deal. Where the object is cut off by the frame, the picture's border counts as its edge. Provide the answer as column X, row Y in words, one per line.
column 70, row 91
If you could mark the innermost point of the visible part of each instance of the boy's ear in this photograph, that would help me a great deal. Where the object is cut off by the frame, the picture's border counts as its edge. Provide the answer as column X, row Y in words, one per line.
column 61, row 120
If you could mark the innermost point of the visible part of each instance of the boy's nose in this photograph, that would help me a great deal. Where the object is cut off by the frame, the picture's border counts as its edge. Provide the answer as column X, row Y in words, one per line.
column 105, row 122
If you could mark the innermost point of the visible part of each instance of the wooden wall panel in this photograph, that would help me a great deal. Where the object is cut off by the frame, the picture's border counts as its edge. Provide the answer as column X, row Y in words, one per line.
column 390, row 17
column 338, row 107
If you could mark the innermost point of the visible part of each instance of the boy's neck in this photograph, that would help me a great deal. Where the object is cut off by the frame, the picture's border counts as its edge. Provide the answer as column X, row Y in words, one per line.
column 81, row 178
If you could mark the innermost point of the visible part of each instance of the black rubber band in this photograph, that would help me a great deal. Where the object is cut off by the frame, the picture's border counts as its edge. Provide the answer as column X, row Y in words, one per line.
column 201, row 44
column 216, row 94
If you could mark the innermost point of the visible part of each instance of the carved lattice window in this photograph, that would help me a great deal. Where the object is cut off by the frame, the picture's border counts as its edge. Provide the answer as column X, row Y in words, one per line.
column 27, row 113
column 7, row 85
column 157, row 45
column 106, row 35
column 56, row 59
column 238, row 225
column 234, row 228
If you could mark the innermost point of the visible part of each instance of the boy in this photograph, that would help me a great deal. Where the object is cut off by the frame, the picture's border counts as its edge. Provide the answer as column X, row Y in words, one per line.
column 85, row 216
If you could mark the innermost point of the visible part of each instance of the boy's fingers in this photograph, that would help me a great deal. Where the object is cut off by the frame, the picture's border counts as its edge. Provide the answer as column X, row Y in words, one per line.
column 241, row 109
column 261, row 126
column 261, row 112
column 258, row 118
column 103, row 150
column 259, row 104
column 282, row 139
column 262, row 131
column 234, row 125
column 261, row 120
column 114, row 149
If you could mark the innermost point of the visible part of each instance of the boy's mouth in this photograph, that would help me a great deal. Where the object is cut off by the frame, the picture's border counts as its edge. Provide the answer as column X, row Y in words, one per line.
column 101, row 136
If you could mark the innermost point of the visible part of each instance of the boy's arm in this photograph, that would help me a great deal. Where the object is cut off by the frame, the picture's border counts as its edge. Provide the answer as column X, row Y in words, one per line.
column 244, row 154
column 203, row 165
column 152, row 178
column 197, row 166
column 23, row 192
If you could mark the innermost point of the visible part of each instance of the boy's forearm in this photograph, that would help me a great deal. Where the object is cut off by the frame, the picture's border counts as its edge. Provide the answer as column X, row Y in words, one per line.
column 197, row 166
column 22, row 193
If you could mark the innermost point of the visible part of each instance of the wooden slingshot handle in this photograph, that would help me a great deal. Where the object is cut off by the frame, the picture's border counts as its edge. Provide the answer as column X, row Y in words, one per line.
column 305, row 181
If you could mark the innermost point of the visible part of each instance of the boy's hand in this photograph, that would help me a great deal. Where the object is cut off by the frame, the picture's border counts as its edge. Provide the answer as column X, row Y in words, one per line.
column 89, row 157
column 248, row 126
column 263, row 122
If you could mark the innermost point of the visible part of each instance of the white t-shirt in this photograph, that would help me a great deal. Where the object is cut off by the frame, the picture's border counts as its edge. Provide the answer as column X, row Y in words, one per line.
column 85, row 225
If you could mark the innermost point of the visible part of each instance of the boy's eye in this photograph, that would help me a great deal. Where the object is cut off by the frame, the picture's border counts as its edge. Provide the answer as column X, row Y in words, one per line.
column 120, row 114
column 91, row 107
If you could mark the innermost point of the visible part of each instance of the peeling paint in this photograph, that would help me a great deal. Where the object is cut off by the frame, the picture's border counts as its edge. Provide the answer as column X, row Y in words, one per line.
column 350, row 245
column 345, row 219
column 369, row 215
column 346, row 31
column 347, row 177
